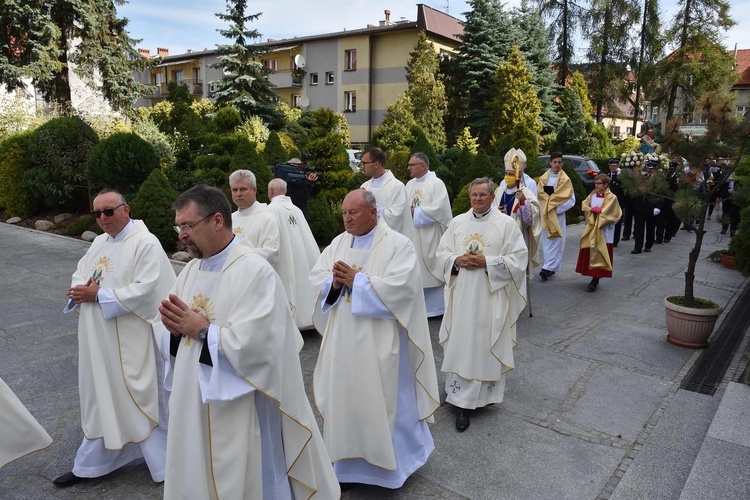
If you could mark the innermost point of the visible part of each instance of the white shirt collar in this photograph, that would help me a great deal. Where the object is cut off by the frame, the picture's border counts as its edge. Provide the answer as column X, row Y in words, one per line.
column 121, row 235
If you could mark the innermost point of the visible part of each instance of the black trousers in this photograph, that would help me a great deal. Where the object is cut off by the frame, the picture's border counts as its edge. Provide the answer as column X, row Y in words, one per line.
column 667, row 224
column 627, row 219
column 645, row 225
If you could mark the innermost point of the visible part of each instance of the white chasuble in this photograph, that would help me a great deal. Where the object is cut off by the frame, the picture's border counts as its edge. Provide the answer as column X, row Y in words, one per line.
column 117, row 378
column 260, row 230
column 21, row 433
column 297, row 256
column 478, row 331
column 356, row 379
column 429, row 196
column 393, row 204
column 260, row 442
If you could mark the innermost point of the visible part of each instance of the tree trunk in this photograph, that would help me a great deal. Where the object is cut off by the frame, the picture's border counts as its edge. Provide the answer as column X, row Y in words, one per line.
column 636, row 108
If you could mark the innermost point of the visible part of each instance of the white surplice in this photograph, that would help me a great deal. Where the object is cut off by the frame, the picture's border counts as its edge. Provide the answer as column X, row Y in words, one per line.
column 478, row 331
column 393, row 205
column 21, row 433
column 241, row 427
column 553, row 248
column 528, row 218
column 375, row 381
column 297, row 256
column 432, row 214
column 260, row 229
column 122, row 402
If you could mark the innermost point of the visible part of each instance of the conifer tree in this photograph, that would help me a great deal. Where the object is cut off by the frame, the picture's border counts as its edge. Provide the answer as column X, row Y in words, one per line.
column 426, row 91
column 245, row 82
column 565, row 18
column 466, row 141
column 514, row 100
column 153, row 205
column 463, row 170
column 650, row 50
column 246, row 157
column 572, row 138
column 44, row 40
column 393, row 132
column 274, row 152
column 578, row 83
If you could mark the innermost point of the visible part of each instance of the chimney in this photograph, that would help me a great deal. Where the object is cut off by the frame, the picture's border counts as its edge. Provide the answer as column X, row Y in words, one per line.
column 387, row 15
column 161, row 52
column 144, row 52
column 271, row 39
column 370, row 25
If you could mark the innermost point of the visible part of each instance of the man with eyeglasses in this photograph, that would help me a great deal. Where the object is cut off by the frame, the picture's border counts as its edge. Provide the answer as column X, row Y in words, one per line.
column 241, row 425
column 431, row 213
column 116, row 291
column 390, row 193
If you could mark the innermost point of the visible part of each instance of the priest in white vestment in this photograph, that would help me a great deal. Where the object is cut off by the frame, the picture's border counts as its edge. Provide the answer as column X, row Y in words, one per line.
column 251, row 218
column 116, row 290
column 393, row 206
column 375, row 381
column 484, row 258
column 556, row 196
column 431, row 213
column 522, row 179
column 20, row 433
column 241, row 425
column 298, row 253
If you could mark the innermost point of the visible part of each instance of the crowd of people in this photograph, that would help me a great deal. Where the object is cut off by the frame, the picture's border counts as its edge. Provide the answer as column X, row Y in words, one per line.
column 200, row 375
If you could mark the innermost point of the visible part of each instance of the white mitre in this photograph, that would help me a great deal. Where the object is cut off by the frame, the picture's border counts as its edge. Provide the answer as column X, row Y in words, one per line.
column 509, row 159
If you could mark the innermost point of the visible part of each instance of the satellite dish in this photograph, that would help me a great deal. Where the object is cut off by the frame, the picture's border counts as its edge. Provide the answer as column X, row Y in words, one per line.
column 304, row 101
column 299, row 60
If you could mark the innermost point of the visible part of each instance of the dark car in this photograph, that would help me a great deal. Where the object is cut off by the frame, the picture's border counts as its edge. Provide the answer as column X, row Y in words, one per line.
column 586, row 168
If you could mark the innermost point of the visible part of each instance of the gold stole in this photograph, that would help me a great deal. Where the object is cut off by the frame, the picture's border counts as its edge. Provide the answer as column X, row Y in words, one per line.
column 593, row 235
column 563, row 192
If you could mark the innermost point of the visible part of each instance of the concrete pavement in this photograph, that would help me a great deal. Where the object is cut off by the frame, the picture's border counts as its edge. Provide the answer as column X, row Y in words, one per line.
column 592, row 405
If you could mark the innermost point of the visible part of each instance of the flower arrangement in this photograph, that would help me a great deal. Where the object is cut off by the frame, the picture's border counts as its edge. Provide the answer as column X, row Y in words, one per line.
column 663, row 159
column 632, row 159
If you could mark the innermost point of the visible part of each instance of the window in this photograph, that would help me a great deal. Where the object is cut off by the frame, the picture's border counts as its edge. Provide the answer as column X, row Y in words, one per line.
column 350, row 59
column 329, row 78
column 629, row 131
column 272, row 64
column 213, row 87
column 616, row 132
column 655, row 114
column 687, row 115
column 350, row 102
column 296, row 101
column 157, row 78
column 313, row 78
column 197, row 75
column 742, row 110
column 178, row 76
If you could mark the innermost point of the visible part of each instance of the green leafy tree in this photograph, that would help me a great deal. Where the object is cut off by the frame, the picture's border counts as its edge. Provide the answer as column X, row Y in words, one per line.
column 58, row 151
column 182, row 118
column 121, row 161
column 521, row 137
column 608, row 26
column 700, row 63
column 153, row 205
column 245, row 82
column 274, row 151
column 46, row 40
column 14, row 162
column 514, row 100
column 162, row 143
column 247, row 158
column 397, row 162
column 426, row 91
column 393, row 132
column 650, row 49
column 565, row 16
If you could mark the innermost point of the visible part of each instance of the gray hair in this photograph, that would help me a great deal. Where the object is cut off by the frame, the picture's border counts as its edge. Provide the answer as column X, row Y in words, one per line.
column 483, row 180
column 277, row 185
column 369, row 199
column 119, row 194
column 243, row 174
column 422, row 157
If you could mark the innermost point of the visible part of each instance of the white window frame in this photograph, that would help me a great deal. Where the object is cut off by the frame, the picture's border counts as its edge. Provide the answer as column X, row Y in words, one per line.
column 296, row 98
column 741, row 111
column 313, row 78
column 350, row 60
column 350, row 101
column 272, row 64
column 330, row 79
column 655, row 114
column 178, row 75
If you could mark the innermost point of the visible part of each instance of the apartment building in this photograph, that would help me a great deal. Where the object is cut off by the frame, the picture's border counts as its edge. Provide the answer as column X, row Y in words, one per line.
column 357, row 72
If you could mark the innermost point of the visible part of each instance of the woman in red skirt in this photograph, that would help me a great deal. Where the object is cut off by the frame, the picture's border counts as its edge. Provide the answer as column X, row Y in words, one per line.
column 602, row 212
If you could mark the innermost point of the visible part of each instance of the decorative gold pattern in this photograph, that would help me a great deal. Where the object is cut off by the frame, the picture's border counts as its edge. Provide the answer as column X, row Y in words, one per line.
column 239, row 230
column 102, row 265
column 416, row 198
column 475, row 243
column 347, row 290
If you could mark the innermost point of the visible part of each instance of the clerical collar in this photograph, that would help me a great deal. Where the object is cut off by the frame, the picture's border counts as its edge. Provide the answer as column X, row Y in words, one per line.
column 377, row 182
column 510, row 190
column 481, row 215
column 364, row 241
column 121, row 235
column 552, row 179
column 215, row 263
column 424, row 177
column 254, row 206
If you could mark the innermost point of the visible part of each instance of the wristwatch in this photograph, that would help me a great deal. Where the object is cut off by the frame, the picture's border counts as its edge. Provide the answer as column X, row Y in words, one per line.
column 203, row 333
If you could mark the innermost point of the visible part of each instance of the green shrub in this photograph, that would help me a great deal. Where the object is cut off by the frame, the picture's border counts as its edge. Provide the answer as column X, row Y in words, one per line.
column 461, row 203
column 739, row 245
column 247, row 158
column 274, row 151
column 121, row 161
column 573, row 215
column 396, row 163
column 58, row 151
column 226, row 120
column 153, row 205
column 14, row 161
column 215, row 177
column 322, row 221
column 84, row 223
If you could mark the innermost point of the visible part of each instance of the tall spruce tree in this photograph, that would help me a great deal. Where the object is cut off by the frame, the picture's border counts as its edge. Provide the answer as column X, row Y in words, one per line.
column 426, row 91
column 608, row 25
column 573, row 138
column 699, row 63
column 486, row 40
column 44, row 40
column 565, row 16
column 534, row 44
column 245, row 82
column 650, row 49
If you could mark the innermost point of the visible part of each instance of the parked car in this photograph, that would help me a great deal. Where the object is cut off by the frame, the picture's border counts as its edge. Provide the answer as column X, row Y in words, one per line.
column 586, row 168
column 355, row 156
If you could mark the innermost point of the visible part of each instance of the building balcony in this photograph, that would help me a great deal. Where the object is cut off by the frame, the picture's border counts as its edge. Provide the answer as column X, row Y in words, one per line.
column 161, row 90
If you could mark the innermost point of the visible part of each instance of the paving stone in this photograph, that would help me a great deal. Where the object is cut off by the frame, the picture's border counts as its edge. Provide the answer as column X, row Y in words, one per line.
column 731, row 420
column 657, row 474
column 721, row 470
column 684, row 424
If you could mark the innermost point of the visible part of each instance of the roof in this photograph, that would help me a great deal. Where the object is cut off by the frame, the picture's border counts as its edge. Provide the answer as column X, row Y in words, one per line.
column 742, row 64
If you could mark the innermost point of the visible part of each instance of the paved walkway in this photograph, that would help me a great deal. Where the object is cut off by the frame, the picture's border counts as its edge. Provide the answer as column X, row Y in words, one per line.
column 594, row 378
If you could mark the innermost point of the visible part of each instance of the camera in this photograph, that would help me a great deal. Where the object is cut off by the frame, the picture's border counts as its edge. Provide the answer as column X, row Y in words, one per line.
column 296, row 173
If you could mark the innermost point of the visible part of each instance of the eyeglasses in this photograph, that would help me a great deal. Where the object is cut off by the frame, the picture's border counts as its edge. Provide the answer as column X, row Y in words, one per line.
column 109, row 212
column 413, row 164
column 362, row 162
column 187, row 228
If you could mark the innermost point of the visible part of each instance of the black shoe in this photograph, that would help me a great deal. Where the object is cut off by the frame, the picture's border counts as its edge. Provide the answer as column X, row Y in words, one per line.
column 67, row 479
column 346, row 486
column 625, row 238
column 591, row 287
column 658, row 242
column 667, row 240
column 646, row 249
column 544, row 274
column 635, row 251
column 462, row 420
column 614, row 245
column 723, row 231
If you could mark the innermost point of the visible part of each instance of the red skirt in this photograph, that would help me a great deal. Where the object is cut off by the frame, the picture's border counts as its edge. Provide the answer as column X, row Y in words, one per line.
column 582, row 266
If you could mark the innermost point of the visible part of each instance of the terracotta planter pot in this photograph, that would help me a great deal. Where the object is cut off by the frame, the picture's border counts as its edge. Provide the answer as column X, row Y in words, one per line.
column 690, row 327
column 728, row 261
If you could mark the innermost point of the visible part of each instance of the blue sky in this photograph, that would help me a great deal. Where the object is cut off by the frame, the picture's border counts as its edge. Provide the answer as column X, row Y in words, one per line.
column 191, row 24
